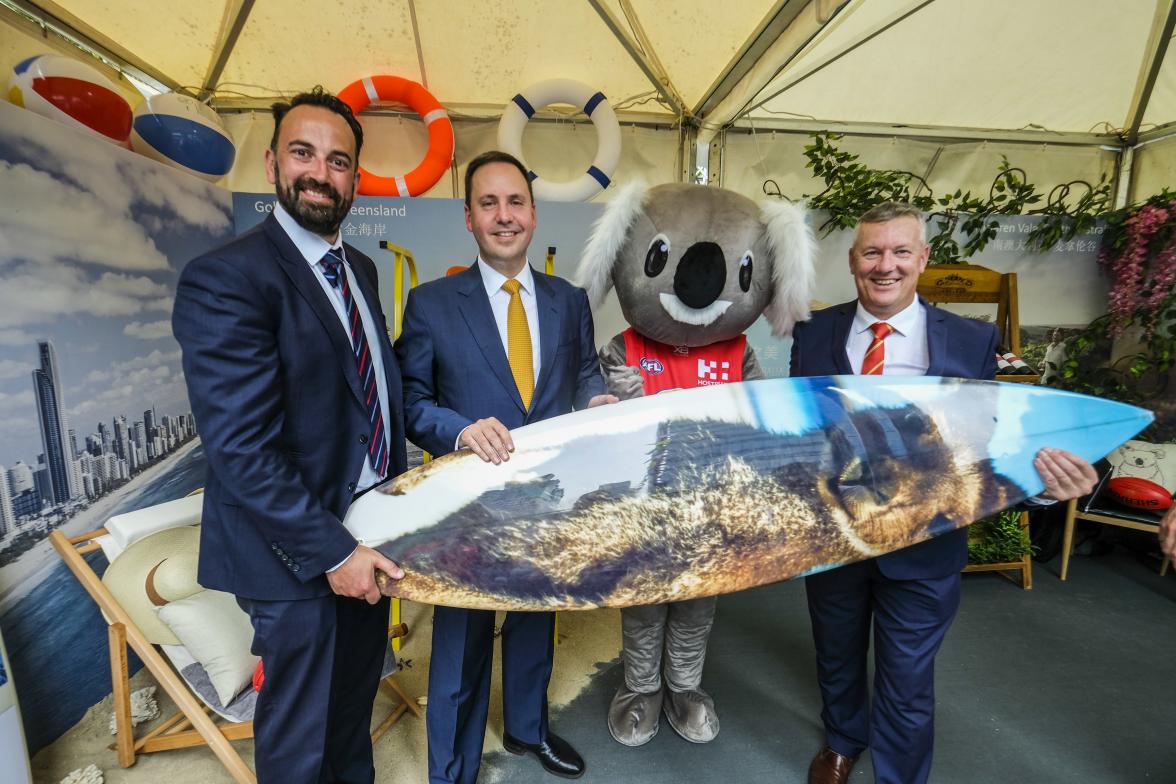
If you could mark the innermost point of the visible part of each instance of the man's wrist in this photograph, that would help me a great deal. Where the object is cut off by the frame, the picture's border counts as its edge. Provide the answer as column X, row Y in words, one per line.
column 345, row 560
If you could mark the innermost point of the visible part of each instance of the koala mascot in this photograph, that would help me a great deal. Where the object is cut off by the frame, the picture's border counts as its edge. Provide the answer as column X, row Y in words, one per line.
column 693, row 267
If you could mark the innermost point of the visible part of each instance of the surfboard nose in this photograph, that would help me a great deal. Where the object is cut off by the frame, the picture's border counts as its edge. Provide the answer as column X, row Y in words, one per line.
column 701, row 275
column 1032, row 418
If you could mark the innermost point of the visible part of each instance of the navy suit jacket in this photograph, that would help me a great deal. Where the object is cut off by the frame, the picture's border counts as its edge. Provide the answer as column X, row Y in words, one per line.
column 958, row 348
column 456, row 370
column 275, row 392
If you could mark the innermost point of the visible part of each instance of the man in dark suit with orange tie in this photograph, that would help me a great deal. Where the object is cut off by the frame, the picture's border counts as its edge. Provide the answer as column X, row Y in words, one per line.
column 908, row 597
column 297, row 399
column 483, row 352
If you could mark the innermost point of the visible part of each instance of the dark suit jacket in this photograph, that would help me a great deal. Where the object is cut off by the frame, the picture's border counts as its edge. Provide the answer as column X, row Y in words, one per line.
column 456, row 370
column 958, row 348
column 275, row 393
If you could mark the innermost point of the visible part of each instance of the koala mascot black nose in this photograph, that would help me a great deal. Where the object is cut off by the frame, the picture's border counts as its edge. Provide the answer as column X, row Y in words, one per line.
column 701, row 275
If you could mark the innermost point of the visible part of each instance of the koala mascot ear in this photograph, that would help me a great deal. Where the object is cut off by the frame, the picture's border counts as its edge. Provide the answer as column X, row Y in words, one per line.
column 594, row 274
column 793, row 249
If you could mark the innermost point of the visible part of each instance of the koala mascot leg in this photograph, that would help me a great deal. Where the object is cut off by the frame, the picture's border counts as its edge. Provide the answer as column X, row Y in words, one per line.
column 679, row 258
column 689, row 709
column 633, row 714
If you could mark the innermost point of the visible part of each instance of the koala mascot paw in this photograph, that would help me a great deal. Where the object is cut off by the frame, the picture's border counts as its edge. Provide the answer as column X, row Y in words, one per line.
column 693, row 268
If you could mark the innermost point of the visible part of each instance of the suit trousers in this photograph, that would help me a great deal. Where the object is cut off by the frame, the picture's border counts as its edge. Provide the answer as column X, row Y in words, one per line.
column 322, row 657
column 909, row 620
column 459, row 685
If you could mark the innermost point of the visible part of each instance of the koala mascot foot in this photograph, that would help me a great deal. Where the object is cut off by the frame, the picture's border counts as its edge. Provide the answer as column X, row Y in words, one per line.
column 692, row 715
column 633, row 717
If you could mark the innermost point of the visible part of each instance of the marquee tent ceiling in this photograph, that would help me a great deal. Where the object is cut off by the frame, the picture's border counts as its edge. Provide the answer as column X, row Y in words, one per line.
column 1081, row 71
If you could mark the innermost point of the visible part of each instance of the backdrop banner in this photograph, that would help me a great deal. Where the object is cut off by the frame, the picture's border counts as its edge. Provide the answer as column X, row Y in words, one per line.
column 94, row 415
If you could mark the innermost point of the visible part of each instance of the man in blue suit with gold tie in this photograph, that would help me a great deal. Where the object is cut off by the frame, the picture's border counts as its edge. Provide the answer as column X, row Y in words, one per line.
column 483, row 352
column 908, row 597
column 297, row 399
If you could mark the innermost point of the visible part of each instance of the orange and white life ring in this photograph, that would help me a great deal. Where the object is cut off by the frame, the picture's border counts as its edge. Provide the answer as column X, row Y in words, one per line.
column 363, row 92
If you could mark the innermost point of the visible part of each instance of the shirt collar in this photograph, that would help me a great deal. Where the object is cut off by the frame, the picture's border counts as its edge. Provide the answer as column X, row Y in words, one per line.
column 904, row 322
column 492, row 279
column 310, row 245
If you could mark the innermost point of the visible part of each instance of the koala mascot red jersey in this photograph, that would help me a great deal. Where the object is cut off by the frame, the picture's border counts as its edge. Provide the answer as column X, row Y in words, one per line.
column 693, row 268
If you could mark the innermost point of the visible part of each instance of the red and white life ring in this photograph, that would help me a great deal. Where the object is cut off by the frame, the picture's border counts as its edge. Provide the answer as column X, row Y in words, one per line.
column 363, row 92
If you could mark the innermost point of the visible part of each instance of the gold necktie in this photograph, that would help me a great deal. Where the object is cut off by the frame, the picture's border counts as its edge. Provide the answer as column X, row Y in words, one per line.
column 518, row 343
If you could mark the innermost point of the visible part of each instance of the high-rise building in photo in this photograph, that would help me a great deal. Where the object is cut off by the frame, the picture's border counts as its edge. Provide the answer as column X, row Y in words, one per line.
column 47, row 388
column 7, row 514
column 121, row 436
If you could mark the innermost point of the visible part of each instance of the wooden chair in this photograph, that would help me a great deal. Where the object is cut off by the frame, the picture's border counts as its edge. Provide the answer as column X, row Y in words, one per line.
column 970, row 283
column 194, row 724
column 1096, row 510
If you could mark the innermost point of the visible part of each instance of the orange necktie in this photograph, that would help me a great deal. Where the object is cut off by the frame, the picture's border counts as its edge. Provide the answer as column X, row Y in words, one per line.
column 875, row 359
column 518, row 344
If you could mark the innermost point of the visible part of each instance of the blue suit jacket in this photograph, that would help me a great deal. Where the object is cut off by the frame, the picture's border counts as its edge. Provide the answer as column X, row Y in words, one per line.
column 456, row 370
column 958, row 348
column 275, row 393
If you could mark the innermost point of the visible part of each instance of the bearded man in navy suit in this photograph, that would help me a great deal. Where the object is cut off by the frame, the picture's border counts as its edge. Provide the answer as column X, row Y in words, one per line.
column 297, row 399
column 909, row 597
column 484, row 351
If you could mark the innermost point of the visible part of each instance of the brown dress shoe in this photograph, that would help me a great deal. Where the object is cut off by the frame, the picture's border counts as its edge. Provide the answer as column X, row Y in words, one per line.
column 829, row 767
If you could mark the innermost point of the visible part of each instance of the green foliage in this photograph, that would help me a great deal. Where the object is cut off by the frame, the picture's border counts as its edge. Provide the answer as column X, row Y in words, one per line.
column 998, row 539
column 852, row 187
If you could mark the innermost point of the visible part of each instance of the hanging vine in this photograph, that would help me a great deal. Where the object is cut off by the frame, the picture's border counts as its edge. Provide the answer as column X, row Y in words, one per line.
column 852, row 187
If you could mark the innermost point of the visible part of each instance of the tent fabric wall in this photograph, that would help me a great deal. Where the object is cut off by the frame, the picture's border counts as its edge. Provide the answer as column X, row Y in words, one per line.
column 1153, row 169
column 559, row 151
column 18, row 44
column 749, row 159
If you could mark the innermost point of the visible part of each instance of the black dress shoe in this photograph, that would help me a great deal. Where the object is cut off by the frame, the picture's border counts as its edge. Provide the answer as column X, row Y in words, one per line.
column 555, row 754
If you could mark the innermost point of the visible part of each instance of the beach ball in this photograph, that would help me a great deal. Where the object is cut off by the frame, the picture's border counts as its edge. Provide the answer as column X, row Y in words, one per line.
column 71, row 92
column 182, row 132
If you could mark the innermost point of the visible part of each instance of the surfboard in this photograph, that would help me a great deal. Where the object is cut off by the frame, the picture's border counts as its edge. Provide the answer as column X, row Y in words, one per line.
column 718, row 489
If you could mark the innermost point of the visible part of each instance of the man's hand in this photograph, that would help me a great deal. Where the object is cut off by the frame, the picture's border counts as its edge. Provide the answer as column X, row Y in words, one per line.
column 489, row 439
column 603, row 400
column 1168, row 534
column 357, row 576
column 1065, row 474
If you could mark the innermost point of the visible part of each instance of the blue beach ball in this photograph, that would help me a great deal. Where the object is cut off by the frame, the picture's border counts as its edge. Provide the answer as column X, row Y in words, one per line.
column 182, row 132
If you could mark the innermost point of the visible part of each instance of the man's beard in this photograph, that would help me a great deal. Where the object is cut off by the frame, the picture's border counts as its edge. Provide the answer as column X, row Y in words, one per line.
column 323, row 219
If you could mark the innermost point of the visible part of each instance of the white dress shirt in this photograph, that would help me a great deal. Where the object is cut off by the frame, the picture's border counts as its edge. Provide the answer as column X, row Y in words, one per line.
column 906, row 347
column 313, row 248
column 492, row 279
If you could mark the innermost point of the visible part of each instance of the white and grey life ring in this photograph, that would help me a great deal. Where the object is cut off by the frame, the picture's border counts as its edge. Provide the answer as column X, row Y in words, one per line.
column 593, row 103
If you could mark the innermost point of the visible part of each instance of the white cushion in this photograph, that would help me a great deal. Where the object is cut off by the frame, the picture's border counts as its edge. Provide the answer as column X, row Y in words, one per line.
column 130, row 527
column 217, row 632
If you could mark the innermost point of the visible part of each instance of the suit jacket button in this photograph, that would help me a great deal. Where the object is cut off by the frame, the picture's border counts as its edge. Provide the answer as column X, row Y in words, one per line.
column 295, row 567
column 351, row 487
column 363, row 439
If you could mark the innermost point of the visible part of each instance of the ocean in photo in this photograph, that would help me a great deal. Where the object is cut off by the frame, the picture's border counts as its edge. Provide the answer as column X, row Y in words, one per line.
column 58, row 616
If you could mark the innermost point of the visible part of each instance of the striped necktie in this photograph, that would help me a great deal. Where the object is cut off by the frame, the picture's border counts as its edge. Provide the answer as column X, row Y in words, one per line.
column 875, row 359
column 377, row 447
column 518, row 343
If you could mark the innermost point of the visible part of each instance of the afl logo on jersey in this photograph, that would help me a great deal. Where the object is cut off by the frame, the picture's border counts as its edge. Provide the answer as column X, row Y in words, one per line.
column 652, row 366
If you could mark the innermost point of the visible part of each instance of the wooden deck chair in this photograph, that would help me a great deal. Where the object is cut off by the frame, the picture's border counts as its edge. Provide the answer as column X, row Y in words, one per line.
column 199, row 720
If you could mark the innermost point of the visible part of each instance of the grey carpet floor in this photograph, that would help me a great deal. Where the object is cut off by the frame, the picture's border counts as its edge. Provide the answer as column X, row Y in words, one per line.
column 1068, row 682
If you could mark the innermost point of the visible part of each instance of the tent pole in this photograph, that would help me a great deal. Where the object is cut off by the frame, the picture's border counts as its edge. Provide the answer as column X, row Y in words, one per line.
column 645, row 60
column 226, row 41
column 1157, row 47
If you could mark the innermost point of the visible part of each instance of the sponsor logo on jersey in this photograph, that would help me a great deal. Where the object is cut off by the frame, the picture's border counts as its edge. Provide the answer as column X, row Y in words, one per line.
column 652, row 366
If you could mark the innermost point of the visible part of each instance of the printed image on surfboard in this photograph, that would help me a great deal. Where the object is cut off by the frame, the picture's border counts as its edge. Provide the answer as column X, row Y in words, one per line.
column 723, row 488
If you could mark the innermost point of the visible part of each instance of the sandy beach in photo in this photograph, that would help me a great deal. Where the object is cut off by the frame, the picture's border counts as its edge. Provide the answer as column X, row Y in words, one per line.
column 23, row 574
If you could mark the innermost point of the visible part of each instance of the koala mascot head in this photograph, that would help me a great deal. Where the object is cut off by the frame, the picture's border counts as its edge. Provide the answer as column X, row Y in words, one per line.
column 694, row 265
